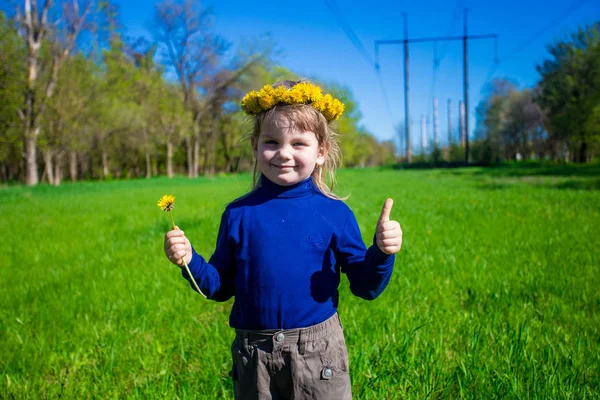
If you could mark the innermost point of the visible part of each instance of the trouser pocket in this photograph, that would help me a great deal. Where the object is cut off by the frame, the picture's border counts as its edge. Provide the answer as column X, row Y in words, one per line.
column 243, row 372
column 326, row 373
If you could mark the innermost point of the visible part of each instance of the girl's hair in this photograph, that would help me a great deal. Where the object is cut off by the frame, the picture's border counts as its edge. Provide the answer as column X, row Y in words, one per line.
column 307, row 119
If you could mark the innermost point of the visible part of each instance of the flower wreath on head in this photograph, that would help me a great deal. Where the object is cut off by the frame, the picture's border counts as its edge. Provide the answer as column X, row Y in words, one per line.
column 255, row 102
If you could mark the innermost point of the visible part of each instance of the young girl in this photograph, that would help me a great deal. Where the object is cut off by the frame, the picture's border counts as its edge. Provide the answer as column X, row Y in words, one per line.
column 280, row 250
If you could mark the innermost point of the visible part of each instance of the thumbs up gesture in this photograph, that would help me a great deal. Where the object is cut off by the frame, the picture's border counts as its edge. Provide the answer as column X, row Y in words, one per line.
column 388, row 233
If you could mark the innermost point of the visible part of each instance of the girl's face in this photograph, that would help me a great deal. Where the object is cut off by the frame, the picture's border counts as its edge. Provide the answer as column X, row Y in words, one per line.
column 284, row 154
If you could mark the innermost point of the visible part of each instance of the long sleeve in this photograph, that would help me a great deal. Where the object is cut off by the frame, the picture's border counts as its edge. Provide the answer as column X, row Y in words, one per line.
column 215, row 277
column 368, row 270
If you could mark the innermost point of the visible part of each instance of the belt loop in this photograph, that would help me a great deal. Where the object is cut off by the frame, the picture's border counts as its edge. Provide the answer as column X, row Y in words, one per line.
column 301, row 343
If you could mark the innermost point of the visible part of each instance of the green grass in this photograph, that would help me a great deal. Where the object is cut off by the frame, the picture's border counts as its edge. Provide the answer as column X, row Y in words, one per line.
column 495, row 294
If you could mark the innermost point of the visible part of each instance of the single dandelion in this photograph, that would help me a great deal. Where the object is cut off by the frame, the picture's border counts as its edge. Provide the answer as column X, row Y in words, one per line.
column 167, row 203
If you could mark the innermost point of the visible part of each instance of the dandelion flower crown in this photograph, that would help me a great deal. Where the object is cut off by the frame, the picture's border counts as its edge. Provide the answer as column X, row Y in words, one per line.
column 255, row 102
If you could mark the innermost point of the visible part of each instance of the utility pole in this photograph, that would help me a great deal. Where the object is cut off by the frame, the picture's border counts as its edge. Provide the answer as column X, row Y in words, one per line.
column 436, row 141
column 461, row 122
column 466, row 88
column 449, row 123
column 465, row 38
column 423, row 134
column 406, row 114
column 400, row 141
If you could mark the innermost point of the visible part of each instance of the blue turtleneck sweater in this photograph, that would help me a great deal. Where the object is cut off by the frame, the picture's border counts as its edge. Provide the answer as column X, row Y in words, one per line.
column 280, row 251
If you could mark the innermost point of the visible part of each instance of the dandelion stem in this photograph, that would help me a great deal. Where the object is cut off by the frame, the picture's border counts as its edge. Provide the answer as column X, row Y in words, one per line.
column 193, row 280
column 185, row 264
column 172, row 220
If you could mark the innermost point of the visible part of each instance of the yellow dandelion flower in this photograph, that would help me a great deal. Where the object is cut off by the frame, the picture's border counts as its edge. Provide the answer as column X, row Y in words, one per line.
column 167, row 202
column 267, row 102
column 297, row 98
column 280, row 91
column 314, row 93
column 293, row 97
column 250, row 103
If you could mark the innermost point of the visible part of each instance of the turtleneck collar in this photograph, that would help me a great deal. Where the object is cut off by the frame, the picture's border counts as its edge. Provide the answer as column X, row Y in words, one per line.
column 299, row 189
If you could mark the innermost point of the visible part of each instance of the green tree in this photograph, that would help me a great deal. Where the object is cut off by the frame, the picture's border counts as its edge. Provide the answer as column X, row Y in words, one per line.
column 116, row 111
column 171, row 121
column 509, row 125
column 190, row 47
column 55, row 38
column 12, row 87
column 492, row 116
column 569, row 91
column 357, row 144
column 68, row 112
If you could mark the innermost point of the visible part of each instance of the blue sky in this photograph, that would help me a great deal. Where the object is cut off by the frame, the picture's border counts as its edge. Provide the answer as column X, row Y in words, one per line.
column 314, row 44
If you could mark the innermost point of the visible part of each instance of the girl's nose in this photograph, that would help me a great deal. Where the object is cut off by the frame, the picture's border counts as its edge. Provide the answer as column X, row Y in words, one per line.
column 284, row 153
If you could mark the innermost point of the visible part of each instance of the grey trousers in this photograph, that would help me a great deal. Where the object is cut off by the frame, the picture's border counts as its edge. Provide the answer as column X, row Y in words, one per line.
column 306, row 363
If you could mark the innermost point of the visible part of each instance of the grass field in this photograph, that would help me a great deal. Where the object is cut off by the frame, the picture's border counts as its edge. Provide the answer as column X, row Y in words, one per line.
column 495, row 294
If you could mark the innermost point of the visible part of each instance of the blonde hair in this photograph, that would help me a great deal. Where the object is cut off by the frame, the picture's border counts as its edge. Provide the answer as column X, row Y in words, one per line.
column 307, row 119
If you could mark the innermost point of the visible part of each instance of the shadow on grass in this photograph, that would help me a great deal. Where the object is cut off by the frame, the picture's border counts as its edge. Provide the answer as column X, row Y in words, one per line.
column 505, row 176
column 514, row 169
column 550, row 182
column 564, row 184
column 588, row 184
column 565, row 177
column 535, row 169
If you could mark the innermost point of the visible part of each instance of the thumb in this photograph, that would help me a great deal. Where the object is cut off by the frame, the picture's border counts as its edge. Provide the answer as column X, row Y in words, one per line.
column 386, row 211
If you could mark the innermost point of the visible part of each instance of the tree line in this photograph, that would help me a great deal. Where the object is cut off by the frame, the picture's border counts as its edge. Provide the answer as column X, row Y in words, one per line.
column 81, row 100
column 558, row 119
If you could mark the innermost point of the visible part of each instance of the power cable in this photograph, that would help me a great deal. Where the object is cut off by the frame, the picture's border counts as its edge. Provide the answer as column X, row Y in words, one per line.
column 494, row 66
column 455, row 16
column 361, row 49
column 436, row 66
column 497, row 61
column 527, row 42
column 348, row 30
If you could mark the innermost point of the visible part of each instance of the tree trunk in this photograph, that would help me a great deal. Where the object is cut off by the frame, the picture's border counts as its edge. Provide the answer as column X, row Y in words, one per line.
column 196, row 157
column 211, row 149
column 73, row 166
column 104, row 164
column 211, row 159
column 31, row 173
column 49, row 167
column 190, row 156
column 226, row 152
column 583, row 152
column 32, row 128
column 205, row 161
column 148, row 165
column 169, row 159
column 58, row 168
column 235, row 165
column 84, row 165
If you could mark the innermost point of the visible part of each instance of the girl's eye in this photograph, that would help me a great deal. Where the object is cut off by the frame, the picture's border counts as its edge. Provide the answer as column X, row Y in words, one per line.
column 300, row 144
column 270, row 142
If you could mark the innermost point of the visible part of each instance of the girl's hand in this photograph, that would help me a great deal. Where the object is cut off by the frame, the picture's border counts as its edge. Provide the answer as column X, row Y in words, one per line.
column 177, row 247
column 388, row 233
